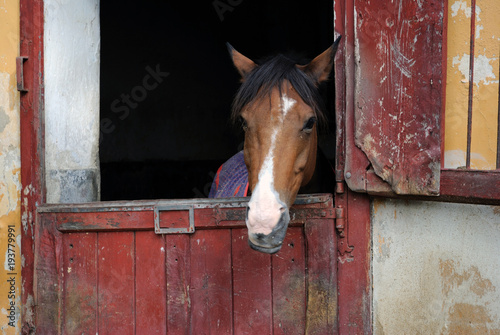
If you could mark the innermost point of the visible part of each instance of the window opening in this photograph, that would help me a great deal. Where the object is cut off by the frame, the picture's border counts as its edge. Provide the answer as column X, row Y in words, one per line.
column 472, row 91
column 167, row 85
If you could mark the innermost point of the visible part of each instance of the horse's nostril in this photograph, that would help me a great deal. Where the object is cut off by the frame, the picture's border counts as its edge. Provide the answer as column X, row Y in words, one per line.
column 259, row 236
column 282, row 210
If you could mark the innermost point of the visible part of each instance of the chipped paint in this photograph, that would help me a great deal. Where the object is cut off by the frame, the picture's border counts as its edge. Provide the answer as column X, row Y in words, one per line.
column 398, row 54
column 10, row 167
column 461, row 6
column 453, row 278
column 483, row 69
column 455, row 159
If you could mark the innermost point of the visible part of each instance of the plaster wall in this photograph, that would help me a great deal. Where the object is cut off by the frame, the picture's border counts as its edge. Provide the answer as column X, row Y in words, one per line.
column 435, row 268
column 72, row 58
column 10, row 171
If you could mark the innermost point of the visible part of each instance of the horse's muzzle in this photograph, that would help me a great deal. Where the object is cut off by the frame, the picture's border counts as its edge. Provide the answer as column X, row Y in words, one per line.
column 272, row 242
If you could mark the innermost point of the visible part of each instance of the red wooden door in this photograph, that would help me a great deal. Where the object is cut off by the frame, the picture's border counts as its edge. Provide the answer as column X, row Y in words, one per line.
column 101, row 268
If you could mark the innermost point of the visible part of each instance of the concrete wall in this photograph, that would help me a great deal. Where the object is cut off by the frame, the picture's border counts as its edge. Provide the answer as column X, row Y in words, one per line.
column 72, row 58
column 436, row 268
column 10, row 169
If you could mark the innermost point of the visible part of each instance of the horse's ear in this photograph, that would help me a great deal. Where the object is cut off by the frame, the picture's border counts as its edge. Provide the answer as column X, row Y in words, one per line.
column 321, row 66
column 243, row 64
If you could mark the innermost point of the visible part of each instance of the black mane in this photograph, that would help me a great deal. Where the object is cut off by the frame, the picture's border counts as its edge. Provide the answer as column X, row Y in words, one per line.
column 271, row 74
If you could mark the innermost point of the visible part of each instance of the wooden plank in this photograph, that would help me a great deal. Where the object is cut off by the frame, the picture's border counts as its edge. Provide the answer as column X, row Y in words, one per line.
column 289, row 285
column 79, row 267
column 355, row 161
column 116, row 291
column 354, row 284
column 105, row 221
column 211, row 282
column 252, row 287
column 471, row 186
column 178, row 264
column 32, row 148
column 476, row 187
column 47, row 279
column 150, row 283
column 140, row 215
column 321, row 317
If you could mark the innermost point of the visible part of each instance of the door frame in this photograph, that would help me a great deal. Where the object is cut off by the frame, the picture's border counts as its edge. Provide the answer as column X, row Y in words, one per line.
column 353, row 225
column 32, row 147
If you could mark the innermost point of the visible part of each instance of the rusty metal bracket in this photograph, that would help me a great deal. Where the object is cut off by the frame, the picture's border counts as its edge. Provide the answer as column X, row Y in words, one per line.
column 339, row 181
column 340, row 221
column 20, row 73
column 188, row 230
column 341, row 225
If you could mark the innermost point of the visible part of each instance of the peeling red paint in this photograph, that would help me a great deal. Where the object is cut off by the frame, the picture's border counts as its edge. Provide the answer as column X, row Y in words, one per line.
column 398, row 92
column 31, row 147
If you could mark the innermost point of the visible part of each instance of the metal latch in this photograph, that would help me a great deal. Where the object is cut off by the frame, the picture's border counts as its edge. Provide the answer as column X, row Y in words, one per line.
column 160, row 230
column 20, row 73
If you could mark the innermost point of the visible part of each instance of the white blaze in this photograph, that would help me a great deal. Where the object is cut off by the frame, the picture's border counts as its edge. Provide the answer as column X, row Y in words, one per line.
column 286, row 104
column 265, row 204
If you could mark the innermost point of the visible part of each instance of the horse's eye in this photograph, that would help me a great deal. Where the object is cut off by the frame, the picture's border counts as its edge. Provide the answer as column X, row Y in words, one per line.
column 244, row 124
column 308, row 126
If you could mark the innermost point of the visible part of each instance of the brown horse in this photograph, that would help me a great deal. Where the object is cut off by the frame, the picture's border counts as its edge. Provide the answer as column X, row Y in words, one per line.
column 279, row 107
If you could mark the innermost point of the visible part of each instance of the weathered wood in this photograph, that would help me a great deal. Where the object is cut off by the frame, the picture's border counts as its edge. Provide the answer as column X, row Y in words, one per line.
column 48, row 279
column 130, row 280
column 252, row 287
column 178, row 264
column 106, row 221
column 289, row 285
column 125, row 216
column 79, row 295
column 150, row 288
column 398, row 94
column 32, row 148
column 471, row 186
column 116, row 283
column 211, row 282
column 354, row 283
column 321, row 315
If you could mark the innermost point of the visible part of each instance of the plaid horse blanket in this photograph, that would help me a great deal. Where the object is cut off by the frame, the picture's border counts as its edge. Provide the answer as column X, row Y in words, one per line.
column 231, row 179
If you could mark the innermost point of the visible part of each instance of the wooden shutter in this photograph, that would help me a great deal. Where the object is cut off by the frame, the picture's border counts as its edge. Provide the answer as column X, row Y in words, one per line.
column 394, row 55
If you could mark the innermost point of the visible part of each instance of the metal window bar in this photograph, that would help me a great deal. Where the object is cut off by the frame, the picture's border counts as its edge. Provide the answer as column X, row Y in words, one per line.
column 498, row 125
column 471, row 81
column 471, row 93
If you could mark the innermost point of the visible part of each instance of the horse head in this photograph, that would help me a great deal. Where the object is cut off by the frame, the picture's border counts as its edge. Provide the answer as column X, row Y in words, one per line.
column 279, row 107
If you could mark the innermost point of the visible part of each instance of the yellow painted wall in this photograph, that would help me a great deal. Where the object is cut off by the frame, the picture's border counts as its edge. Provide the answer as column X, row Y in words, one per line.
column 10, row 168
column 485, row 85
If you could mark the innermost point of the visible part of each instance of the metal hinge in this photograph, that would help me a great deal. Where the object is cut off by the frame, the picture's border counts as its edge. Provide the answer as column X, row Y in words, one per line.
column 341, row 225
column 340, row 221
column 20, row 73
column 339, row 179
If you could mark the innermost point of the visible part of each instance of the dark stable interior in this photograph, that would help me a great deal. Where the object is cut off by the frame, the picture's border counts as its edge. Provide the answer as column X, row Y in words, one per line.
column 167, row 83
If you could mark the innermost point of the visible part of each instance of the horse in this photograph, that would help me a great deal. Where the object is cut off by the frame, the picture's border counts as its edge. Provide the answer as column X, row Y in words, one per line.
column 280, row 109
